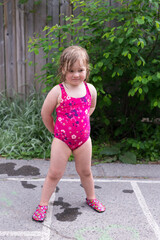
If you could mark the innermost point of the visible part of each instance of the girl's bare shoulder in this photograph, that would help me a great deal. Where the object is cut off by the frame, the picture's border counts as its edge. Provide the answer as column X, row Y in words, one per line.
column 53, row 97
column 92, row 89
column 55, row 91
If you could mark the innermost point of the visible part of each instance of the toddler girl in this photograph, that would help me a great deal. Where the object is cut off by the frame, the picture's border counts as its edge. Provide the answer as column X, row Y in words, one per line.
column 74, row 101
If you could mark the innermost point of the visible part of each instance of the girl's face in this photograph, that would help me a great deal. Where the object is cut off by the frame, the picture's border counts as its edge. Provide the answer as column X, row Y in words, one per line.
column 77, row 74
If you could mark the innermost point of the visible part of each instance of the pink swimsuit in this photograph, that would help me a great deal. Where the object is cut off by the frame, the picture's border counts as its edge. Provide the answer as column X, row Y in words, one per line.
column 73, row 121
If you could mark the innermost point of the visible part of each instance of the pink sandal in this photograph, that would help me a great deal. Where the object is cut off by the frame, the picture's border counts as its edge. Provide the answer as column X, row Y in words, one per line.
column 96, row 205
column 40, row 213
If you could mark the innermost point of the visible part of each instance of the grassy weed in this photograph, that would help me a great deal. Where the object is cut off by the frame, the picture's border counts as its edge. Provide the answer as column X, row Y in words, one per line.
column 22, row 132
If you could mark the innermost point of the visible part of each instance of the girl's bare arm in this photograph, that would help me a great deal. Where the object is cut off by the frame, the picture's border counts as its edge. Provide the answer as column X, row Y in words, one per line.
column 48, row 107
column 94, row 98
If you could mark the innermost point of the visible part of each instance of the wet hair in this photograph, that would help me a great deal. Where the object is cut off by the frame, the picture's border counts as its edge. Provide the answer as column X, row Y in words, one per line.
column 69, row 56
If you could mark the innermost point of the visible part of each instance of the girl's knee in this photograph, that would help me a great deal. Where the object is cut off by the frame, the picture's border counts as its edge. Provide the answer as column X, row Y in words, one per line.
column 55, row 174
column 84, row 172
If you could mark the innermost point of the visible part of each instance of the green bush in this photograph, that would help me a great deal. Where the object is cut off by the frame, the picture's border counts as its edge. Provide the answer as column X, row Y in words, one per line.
column 123, row 45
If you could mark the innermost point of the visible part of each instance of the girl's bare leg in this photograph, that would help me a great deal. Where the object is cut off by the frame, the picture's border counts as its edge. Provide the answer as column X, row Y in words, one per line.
column 83, row 156
column 60, row 153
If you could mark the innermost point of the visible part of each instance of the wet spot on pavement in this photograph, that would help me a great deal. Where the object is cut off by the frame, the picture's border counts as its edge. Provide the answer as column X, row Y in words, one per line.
column 28, row 185
column 57, row 189
column 27, row 170
column 128, row 191
column 95, row 186
column 69, row 214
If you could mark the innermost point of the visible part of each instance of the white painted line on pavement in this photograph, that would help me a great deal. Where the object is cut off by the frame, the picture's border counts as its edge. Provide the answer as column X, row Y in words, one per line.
column 145, row 209
column 46, row 231
column 20, row 233
column 78, row 180
column 112, row 180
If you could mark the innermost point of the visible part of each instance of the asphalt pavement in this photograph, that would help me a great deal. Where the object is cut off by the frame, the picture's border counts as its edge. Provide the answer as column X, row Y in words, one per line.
column 131, row 194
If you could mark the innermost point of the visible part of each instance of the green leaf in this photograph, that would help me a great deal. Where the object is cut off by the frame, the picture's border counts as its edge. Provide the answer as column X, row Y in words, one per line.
column 110, row 151
column 144, row 80
column 140, row 20
column 125, row 52
column 134, row 49
column 106, row 55
column 158, row 75
column 120, row 72
column 61, row 49
column 128, row 157
column 30, row 63
column 50, row 76
column 36, row 51
column 120, row 40
column 131, row 93
column 100, row 64
column 157, row 25
column 114, row 74
column 81, row 38
column 46, row 28
column 129, row 56
column 67, row 18
column 149, row 78
column 155, row 104
column 130, row 30
column 142, row 59
column 112, row 38
column 140, row 90
column 139, row 62
column 95, row 79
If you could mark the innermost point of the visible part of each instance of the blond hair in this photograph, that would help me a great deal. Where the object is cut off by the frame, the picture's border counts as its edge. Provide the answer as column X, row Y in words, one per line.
column 69, row 56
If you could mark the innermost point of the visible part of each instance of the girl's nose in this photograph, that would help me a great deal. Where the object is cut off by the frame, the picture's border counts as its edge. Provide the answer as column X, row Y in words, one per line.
column 76, row 74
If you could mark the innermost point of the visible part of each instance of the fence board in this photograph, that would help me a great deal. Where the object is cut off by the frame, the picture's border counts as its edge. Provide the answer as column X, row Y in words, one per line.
column 40, row 22
column 76, row 12
column 20, row 48
column 2, row 65
column 10, row 48
column 53, row 11
column 29, row 31
column 65, row 10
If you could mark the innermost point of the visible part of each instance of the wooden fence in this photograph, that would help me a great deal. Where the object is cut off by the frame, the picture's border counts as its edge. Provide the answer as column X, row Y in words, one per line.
column 18, row 22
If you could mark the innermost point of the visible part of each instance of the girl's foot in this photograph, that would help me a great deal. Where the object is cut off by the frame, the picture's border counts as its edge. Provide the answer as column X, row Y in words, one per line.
column 96, row 205
column 40, row 213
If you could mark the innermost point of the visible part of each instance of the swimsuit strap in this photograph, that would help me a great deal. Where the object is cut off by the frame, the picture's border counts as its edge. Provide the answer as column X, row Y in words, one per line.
column 87, row 88
column 63, row 90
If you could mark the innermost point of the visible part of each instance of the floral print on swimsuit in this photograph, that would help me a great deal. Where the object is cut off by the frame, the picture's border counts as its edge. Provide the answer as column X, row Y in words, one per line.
column 73, row 120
